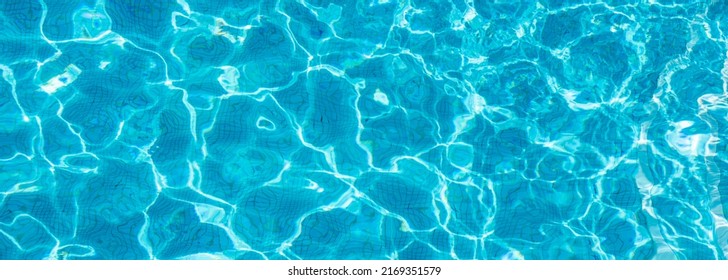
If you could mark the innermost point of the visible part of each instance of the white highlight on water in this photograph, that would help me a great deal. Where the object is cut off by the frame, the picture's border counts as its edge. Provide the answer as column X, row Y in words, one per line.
column 67, row 77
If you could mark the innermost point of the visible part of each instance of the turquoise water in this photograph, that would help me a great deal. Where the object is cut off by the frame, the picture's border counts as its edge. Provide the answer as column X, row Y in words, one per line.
column 312, row 129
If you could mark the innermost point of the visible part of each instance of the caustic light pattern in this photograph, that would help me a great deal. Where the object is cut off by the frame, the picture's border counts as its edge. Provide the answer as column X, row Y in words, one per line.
column 363, row 129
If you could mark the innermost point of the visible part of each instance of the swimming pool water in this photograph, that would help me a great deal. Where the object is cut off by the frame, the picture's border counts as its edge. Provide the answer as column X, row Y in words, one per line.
column 384, row 129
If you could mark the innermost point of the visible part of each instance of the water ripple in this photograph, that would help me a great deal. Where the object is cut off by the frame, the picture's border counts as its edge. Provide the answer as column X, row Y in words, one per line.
column 287, row 129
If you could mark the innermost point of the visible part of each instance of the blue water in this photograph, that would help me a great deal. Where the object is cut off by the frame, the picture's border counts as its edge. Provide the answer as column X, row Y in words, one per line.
column 312, row 129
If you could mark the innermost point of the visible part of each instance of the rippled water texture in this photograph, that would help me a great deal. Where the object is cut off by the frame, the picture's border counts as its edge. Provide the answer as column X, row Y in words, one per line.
column 313, row 129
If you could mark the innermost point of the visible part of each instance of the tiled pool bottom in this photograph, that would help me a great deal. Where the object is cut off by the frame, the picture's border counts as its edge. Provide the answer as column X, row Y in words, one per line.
column 197, row 129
